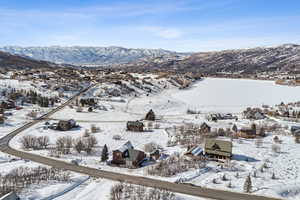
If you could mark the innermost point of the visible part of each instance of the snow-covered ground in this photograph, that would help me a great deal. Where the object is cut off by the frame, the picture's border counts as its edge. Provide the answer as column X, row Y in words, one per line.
column 234, row 95
column 210, row 95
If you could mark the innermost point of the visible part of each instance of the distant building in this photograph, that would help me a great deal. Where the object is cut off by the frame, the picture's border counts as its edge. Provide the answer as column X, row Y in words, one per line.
column 247, row 132
column 136, row 126
column 218, row 149
column 150, row 116
column 205, row 128
column 7, row 104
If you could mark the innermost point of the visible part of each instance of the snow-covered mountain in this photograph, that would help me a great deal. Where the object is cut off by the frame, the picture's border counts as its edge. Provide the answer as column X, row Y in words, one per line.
column 281, row 58
column 78, row 55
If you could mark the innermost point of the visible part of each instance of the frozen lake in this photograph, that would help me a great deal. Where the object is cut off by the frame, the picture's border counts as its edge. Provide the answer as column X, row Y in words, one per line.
column 234, row 95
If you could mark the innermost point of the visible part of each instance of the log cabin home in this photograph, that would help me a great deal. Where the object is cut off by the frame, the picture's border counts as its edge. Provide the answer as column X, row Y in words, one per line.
column 218, row 149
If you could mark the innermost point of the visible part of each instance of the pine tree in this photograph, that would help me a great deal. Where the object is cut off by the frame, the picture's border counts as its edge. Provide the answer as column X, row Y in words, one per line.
column 248, row 184
column 104, row 155
column 234, row 128
column 273, row 176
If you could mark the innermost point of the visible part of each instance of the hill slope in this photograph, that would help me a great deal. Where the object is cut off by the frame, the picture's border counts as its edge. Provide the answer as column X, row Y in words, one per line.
column 281, row 58
column 17, row 62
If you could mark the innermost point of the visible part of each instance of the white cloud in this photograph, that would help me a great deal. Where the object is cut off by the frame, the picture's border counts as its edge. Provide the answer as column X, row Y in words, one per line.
column 163, row 32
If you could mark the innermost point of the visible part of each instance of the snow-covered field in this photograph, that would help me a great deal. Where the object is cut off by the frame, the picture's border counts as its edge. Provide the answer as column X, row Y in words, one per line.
column 209, row 95
column 234, row 95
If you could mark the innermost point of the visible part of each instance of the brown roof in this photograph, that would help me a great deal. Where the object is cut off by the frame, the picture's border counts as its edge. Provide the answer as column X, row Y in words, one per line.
column 218, row 147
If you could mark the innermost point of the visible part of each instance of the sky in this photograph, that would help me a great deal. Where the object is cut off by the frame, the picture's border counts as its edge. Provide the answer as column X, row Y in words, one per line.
column 179, row 25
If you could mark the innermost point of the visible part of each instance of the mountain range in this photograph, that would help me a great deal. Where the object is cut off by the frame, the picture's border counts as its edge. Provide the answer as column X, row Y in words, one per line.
column 285, row 58
column 89, row 56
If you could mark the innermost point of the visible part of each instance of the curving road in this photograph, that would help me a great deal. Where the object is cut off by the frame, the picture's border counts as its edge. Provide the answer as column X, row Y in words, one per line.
column 138, row 180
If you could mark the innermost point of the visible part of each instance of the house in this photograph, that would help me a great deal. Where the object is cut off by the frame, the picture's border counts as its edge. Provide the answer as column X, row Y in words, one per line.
column 136, row 126
column 127, row 155
column 205, row 128
column 218, row 149
column 7, row 104
column 254, row 113
column 10, row 196
column 150, row 116
column 65, row 125
column 246, row 132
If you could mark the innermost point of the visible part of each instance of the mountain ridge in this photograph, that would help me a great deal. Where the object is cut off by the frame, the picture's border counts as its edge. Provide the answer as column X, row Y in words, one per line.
column 89, row 55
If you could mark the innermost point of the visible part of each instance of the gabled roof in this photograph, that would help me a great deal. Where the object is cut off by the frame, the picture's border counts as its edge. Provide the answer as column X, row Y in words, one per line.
column 133, row 154
column 204, row 125
column 125, row 147
column 218, row 147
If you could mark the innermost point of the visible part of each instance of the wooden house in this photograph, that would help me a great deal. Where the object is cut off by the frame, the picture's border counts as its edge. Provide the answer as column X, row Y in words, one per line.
column 150, row 116
column 127, row 155
column 218, row 149
column 136, row 126
column 65, row 125
column 247, row 132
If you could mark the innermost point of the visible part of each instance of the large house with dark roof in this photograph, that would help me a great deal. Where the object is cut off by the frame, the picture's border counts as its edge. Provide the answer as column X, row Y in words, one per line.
column 128, row 156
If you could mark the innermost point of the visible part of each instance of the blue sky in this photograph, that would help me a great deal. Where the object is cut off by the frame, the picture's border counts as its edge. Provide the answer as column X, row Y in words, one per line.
column 181, row 25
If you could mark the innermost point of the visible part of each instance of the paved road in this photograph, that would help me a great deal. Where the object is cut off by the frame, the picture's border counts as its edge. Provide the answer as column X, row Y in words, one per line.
column 148, row 182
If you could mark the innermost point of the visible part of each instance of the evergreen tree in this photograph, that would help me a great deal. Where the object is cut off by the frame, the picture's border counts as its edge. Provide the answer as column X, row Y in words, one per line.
column 104, row 155
column 234, row 128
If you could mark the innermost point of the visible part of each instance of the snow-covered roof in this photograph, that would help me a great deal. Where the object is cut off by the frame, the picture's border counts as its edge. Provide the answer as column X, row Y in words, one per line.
column 10, row 196
column 125, row 147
